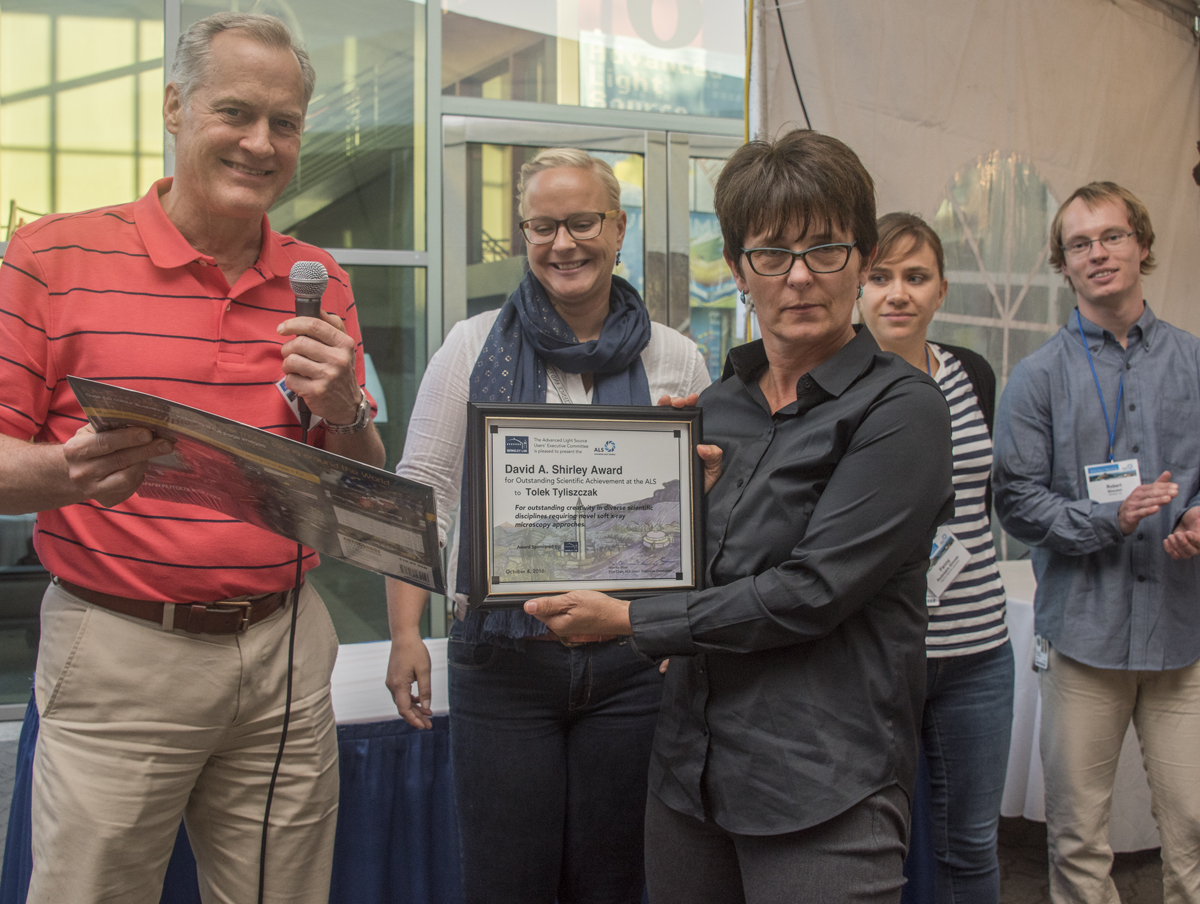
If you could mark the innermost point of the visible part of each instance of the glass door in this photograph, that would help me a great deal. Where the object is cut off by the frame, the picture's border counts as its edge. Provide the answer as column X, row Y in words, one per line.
column 704, row 301
column 484, row 251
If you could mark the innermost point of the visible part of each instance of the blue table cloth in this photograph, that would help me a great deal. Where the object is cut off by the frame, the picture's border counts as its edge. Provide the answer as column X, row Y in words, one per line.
column 397, row 835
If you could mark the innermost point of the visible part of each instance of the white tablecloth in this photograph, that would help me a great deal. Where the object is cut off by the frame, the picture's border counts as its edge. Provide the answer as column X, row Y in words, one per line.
column 359, row 694
column 1131, row 827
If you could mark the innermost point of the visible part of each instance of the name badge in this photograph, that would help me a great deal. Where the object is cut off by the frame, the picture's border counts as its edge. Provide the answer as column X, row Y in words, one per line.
column 293, row 402
column 1112, row 481
column 1041, row 653
column 947, row 559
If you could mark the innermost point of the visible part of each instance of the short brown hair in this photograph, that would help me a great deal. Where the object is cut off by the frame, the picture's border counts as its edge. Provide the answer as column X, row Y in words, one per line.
column 1093, row 194
column 804, row 176
column 894, row 228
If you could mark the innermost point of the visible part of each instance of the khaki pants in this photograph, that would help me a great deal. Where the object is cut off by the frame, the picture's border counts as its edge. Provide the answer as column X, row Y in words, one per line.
column 1085, row 714
column 140, row 727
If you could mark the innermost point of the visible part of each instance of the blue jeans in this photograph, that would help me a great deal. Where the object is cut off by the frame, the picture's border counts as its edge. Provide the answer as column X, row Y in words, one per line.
column 551, row 748
column 965, row 732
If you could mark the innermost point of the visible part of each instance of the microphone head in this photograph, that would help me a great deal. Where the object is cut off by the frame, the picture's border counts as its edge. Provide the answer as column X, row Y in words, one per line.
column 308, row 279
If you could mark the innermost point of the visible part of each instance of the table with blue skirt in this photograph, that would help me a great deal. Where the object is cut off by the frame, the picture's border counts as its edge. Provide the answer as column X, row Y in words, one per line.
column 397, row 835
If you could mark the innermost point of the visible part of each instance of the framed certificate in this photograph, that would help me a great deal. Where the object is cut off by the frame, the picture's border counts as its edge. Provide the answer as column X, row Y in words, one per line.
column 582, row 497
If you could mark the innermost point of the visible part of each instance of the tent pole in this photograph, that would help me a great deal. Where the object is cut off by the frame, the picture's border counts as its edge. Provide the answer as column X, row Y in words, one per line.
column 758, row 70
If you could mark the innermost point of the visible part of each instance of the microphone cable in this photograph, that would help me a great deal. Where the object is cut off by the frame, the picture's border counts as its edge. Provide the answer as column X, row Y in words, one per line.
column 287, row 700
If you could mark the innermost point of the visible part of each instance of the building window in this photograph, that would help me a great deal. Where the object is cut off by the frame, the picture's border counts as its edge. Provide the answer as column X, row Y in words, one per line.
column 80, row 105
column 360, row 182
column 659, row 56
column 1004, row 299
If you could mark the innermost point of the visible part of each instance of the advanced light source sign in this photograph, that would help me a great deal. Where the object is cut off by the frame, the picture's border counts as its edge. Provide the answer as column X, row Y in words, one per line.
column 570, row 497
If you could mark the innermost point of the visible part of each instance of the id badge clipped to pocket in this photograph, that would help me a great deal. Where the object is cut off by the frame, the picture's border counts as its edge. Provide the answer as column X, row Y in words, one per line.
column 1041, row 653
column 946, row 560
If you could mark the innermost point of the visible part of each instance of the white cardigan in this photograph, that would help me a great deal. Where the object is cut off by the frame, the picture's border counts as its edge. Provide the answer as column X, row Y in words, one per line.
column 437, row 430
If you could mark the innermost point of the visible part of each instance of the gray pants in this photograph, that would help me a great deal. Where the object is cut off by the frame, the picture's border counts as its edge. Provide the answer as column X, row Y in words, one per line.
column 855, row 858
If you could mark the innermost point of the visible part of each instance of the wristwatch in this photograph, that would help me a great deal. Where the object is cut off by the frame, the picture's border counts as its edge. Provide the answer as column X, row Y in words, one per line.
column 362, row 417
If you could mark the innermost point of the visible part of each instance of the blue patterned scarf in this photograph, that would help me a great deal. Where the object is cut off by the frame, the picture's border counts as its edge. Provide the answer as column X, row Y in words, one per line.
column 528, row 334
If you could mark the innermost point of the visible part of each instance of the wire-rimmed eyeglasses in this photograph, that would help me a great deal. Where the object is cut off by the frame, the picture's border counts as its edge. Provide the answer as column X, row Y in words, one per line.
column 581, row 226
column 818, row 259
column 1110, row 240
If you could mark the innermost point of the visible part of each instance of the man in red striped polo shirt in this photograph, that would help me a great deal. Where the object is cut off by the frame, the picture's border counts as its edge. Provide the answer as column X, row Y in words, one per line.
column 182, row 294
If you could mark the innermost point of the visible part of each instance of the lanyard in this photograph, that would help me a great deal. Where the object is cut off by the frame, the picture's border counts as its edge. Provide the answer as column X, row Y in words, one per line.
column 928, row 369
column 1111, row 426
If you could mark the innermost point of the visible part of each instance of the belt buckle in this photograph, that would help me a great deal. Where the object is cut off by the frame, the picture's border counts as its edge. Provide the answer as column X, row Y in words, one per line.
column 244, row 605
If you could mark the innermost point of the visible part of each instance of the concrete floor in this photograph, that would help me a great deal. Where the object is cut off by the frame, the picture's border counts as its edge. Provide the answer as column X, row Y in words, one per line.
column 1023, row 871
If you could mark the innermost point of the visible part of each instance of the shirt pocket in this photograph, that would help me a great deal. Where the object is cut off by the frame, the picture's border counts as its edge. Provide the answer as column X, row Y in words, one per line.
column 1177, row 403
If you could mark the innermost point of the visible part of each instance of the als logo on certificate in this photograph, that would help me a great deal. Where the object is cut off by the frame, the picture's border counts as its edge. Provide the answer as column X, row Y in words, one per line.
column 516, row 445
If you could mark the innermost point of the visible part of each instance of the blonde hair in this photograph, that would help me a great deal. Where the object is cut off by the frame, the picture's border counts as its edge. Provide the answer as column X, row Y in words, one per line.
column 554, row 158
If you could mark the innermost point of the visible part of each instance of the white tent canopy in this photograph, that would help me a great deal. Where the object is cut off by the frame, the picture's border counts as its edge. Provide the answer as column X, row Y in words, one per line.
column 982, row 116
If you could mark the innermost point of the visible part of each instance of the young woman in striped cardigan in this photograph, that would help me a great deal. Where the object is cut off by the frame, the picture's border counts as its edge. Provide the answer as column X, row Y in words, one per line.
column 968, row 707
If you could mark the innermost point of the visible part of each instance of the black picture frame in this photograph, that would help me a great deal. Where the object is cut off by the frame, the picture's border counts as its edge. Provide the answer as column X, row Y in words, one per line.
column 573, row 563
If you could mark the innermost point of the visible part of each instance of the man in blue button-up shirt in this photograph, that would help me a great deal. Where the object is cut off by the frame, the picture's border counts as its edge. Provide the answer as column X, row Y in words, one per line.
column 1118, row 597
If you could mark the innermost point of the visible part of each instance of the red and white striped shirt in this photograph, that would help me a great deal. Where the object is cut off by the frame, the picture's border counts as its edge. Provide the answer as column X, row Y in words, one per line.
column 118, row 295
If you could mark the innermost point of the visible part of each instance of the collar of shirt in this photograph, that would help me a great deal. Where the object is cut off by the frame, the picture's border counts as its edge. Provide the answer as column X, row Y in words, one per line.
column 1142, row 330
column 168, row 248
column 827, row 380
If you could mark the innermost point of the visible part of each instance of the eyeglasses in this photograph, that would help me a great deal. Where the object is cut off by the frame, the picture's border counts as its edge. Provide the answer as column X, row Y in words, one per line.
column 819, row 259
column 581, row 226
column 1111, row 240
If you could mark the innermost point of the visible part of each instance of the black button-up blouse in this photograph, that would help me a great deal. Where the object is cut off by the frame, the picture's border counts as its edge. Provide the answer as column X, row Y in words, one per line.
column 797, row 679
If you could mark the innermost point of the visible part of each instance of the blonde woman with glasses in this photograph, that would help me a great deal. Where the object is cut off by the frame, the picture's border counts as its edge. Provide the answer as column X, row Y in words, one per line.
column 550, row 735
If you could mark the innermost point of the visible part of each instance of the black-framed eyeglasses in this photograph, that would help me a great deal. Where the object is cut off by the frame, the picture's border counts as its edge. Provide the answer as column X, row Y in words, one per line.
column 819, row 259
column 581, row 226
column 1110, row 240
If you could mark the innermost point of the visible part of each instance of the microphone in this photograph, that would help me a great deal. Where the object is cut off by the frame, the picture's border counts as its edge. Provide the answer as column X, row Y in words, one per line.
column 308, row 280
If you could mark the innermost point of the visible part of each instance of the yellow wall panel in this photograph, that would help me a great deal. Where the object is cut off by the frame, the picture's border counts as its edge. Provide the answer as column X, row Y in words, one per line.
column 24, row 51
column 97, row 117
column 89, row 45
column 25, row 178
column 26, row 123
column 150, row 170
column 92, row 180
column 150, row 41
column 150, row 101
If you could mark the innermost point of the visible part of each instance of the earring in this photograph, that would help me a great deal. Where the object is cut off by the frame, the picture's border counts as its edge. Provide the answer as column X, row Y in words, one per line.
column 746, row 300
column 617, row 262
column 859, row 292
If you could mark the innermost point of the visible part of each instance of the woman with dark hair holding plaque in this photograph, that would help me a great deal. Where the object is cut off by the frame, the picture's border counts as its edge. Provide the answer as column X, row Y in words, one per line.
column 786, row 749
column 550, row 733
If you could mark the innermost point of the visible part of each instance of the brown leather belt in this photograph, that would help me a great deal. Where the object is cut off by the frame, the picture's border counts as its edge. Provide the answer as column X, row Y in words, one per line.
column 222, row 617
column 575, row 640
